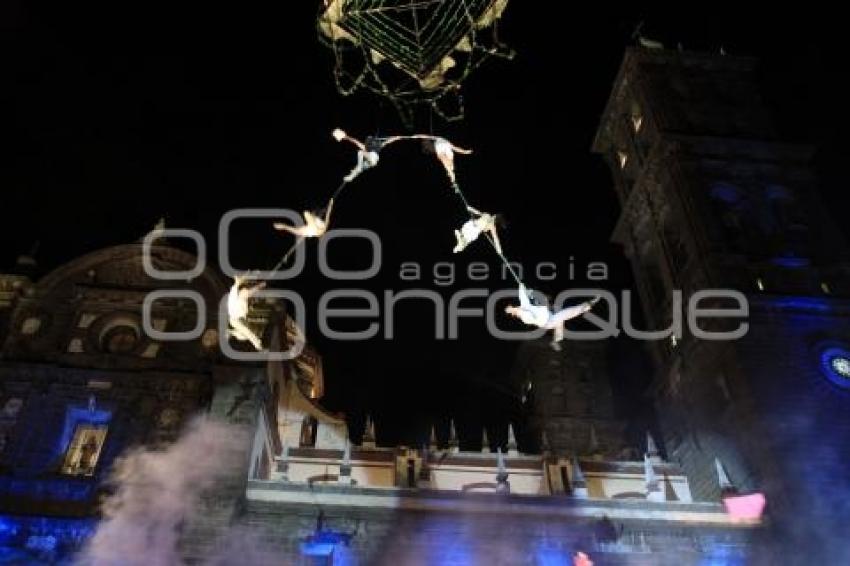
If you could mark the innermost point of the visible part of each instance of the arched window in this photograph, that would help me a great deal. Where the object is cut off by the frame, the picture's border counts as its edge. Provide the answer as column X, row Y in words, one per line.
column 118, row 334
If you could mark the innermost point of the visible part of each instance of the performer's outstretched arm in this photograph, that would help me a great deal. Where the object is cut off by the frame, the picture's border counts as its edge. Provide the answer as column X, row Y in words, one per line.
column 340, row 135
column 296, row 230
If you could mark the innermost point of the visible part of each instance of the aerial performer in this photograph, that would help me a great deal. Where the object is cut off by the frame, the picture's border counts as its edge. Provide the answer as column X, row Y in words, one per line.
column 314, row 225
column 445, row 152
column 237, row 310
column 481, row 222
column 367, row 153
column 542, row 316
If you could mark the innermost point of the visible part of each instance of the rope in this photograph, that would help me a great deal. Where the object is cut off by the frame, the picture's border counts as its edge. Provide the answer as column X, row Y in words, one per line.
column 457, row 190
column 466, row 206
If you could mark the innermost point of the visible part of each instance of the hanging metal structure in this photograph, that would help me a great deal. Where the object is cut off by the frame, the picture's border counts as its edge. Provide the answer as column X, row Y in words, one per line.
column 413, row 52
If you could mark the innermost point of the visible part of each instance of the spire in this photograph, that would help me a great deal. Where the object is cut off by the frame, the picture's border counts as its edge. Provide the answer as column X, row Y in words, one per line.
column 368, row 440
column 502, row 484
column 651, row 448
column 485, row 442
column 432, row 443
column 595, row 452
column 726, row 486
column 345, row 467
column 155, row 234
column 283, row 461
column 578, row 483
column 454, row 444
column 512, row 446
column 653, row 488
column 649, row 473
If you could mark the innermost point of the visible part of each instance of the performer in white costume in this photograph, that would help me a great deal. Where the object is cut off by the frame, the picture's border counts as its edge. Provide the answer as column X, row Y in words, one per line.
column 237, row 310
column 542, row 316
column 474, row 227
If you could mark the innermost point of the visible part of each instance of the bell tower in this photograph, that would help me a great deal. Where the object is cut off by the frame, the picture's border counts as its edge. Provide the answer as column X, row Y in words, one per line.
column 712, row 199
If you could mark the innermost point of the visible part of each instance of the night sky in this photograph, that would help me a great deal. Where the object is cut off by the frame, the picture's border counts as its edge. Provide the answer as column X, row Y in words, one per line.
column 115, row 115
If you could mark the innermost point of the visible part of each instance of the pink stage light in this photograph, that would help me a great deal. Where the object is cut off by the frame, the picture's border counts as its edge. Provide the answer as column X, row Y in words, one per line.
column 745, row 507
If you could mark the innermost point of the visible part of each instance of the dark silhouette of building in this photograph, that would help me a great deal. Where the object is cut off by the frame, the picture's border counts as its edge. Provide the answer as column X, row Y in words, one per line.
column 712, row 199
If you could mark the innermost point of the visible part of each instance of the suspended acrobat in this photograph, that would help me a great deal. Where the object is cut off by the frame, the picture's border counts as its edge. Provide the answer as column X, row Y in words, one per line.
column 542, row 317
column 474, row 227
column 314, row 225
column 237, row 310
column 444, row 150
column 367, row 153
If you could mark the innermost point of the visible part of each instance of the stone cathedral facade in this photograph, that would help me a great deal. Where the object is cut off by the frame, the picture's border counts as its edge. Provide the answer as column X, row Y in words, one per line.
column 711, row 199
column 708, row 200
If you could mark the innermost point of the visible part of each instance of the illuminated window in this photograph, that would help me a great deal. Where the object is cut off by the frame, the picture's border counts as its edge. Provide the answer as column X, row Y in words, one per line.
column 623, row 158
column 835, row 363
column 637, row 122
column 120, row 334
column 841, row 366
column 210, row 339
column 636, row 117
column 84, row 450
column 30, row 326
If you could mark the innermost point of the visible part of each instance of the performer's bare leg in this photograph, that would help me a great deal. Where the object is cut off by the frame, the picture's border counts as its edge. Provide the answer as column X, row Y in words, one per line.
column 241, row 332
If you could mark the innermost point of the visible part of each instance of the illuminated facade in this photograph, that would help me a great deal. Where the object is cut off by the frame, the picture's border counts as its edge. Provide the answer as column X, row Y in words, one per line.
column 704, row 205
column 80, row 383
column 323, row 500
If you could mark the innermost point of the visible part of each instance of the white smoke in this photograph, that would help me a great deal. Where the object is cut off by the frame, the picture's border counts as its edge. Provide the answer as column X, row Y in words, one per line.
column 155, row 491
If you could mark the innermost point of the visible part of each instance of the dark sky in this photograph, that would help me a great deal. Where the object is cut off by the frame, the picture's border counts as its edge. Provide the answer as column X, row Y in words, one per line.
column 114, row 115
